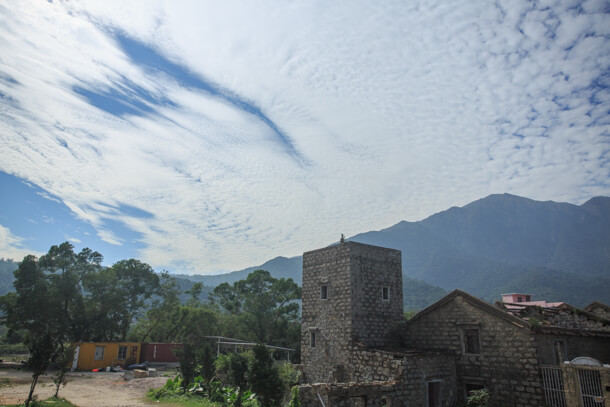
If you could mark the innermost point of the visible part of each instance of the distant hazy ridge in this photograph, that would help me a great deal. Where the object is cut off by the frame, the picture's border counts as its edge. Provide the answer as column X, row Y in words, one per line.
column 502, row 243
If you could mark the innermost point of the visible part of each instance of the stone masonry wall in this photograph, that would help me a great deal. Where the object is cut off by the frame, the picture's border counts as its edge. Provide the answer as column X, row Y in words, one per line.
column 573, row 319
column 376, row 366
column 353, row 313
column 373, row 268
column 506, row 363
column 573, row 345
column 409, row 388
column 330, row 319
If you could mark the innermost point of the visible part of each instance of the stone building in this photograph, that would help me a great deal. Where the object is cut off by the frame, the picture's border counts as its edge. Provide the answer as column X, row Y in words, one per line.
column 352, row 294
column 519, row 355
column 356, row 349
column 352, row 323
column 492, row 348
column 564, row 332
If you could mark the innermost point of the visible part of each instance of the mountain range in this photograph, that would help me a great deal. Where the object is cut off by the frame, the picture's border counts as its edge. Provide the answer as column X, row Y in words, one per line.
column 499, row 244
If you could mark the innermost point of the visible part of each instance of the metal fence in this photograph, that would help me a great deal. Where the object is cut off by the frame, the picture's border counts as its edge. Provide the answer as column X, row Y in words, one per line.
column 552, row 384
column 591, row 392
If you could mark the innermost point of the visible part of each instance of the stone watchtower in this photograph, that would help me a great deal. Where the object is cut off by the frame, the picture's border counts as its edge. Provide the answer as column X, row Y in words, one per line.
column 352, row 297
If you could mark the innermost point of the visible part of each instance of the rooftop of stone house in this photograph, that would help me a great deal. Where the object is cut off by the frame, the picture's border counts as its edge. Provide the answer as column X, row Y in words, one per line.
column 559, row 316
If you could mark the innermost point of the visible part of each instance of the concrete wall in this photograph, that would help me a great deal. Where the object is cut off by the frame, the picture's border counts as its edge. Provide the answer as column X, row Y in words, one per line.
column 506, row 363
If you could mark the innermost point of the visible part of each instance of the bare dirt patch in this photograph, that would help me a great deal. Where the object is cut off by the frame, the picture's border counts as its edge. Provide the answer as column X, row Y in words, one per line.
column 83, row 389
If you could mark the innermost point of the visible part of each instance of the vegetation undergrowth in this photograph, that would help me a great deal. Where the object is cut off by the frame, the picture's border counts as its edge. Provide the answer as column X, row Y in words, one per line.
column 248, row 379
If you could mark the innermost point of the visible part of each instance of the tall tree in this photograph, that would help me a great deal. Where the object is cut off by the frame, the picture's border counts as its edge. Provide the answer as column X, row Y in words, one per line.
column 162, row 316
column 66, row 271
column 264, row 377
column 35, row 308
column 135, row 282
column 264, row 303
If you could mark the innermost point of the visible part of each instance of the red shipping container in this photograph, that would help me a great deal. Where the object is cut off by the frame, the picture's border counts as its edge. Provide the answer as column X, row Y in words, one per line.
column 159, row 352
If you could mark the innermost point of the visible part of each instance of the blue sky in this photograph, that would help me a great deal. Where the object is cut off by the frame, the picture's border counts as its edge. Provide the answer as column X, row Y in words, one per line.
column 203, row 136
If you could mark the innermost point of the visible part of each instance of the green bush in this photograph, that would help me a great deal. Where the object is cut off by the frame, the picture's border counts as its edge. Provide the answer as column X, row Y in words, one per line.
column 478, row 398
column 203, row 393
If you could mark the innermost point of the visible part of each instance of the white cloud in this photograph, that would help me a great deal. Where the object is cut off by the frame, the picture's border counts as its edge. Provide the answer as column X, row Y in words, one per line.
column 397, row 110
column 109, row 237
column 14, row 247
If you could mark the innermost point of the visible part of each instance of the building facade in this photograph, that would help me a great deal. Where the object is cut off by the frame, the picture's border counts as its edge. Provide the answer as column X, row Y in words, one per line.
column 352, row 319
column 492, row 348
column 356, row 349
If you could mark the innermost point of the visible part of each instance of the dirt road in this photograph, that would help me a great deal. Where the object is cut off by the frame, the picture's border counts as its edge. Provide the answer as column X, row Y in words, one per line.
column 83, row 389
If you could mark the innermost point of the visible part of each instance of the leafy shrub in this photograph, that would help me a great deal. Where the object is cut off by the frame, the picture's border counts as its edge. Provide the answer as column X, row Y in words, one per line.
column 173, row 387
column 478, row 398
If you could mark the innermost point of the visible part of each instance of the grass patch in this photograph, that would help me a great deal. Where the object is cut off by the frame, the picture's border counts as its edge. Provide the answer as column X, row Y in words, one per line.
column 184, row 401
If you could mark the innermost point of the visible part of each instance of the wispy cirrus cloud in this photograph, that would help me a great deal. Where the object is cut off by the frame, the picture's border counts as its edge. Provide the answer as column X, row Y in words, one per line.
column 217, row 135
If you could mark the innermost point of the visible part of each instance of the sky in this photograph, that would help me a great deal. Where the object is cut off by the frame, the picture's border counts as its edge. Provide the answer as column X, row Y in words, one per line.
column 202, row 137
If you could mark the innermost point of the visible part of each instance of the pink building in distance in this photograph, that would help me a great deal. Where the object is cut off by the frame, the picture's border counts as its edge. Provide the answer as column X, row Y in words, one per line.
column 518, row 301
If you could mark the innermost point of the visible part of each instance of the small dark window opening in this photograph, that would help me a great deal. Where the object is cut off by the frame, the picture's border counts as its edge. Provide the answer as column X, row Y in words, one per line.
column 313, row 339
column 385, row 293
column 385, row 402
column 519, row 299
column 471, row 341
column 528, row 298
column 323, row 292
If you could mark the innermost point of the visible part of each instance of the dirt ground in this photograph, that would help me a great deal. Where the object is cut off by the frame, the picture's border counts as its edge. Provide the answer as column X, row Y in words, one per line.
column 84, row 389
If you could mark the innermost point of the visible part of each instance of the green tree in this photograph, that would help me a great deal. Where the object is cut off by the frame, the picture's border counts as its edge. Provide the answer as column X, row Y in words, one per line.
column 194, row 293
column 63, row 365
column 162, row 318
column 66, row 271
column 264, row 377
column 207, row 359
column 238, row 365
column 35, row 309
column 187, row 359
column 135, row 282
column 264, row 304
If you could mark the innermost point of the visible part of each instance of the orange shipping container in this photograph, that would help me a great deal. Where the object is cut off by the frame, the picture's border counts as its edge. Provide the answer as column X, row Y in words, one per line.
column 99, row 355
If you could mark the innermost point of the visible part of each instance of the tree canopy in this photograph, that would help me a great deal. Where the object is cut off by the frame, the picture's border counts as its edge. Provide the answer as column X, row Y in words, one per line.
column 264, row 305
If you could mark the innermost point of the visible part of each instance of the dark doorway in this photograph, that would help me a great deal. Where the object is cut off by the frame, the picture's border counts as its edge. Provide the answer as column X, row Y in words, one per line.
column 434, row 394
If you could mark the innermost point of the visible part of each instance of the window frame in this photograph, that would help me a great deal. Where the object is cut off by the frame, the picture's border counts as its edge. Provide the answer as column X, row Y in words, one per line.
column 95, row 353
column 385, row 290
column 324, row 291
column 559, row 345
column 123, row 348
column 466, row 348
column 312, row 339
